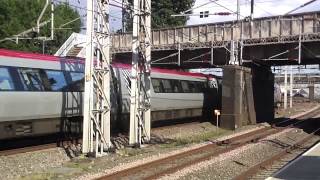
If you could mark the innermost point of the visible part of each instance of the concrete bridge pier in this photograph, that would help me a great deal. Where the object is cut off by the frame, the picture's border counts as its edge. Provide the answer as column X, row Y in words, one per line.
column 237, row 99
column 247, row 96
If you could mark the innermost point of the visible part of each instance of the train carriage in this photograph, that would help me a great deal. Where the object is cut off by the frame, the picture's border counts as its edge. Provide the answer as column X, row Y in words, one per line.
column 38, row 92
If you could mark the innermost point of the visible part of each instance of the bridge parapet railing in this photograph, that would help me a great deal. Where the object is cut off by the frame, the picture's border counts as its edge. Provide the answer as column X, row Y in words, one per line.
column 259, row 31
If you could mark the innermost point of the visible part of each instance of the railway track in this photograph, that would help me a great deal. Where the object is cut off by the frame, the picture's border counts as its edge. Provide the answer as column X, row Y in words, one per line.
column 27, row 149
column 161, row 167
column 175, row 163
column 269, row 166
column 17, row 146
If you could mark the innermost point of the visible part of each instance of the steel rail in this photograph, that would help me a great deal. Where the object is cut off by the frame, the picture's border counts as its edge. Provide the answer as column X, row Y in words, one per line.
column 35, row 148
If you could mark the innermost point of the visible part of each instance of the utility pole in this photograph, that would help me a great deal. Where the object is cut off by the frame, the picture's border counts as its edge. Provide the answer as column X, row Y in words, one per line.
column 97, row 106
column 285, row 88
column 238, row 10
column 140, row 112
column 291, row 87
column 124, row 14
column 252, row 7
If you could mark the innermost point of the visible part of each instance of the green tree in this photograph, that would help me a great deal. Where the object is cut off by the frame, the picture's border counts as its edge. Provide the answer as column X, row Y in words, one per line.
column 162, row 11
column 17, row 16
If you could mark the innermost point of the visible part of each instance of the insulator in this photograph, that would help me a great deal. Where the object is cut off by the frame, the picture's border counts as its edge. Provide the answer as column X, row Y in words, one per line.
column 223, row 13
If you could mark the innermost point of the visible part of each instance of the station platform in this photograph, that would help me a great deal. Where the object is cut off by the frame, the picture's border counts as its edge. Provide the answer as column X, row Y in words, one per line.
column 306, row 166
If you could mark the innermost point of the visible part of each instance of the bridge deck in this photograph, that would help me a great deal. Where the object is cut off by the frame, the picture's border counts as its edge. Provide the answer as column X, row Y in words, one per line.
column 268, row 41
column 268, row 30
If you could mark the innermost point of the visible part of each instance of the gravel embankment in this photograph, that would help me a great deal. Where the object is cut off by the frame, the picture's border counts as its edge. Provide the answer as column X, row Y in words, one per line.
column 233, row 163
column 269, row 171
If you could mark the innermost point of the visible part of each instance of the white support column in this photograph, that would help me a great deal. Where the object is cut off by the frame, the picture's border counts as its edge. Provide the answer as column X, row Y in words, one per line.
column 179, row 54
column 52, row 21
column 140, row 112
column 147, row 70
column 97, row 106
column 232, row 58
column 233, row 53
column 124, row 14
column 134, row 97
column 212, row 55
column 300, row 38
column 105, row 71
column 88, row 94
column 285, row 88
column 241, row 43
column 291, row 87
column 238, row 10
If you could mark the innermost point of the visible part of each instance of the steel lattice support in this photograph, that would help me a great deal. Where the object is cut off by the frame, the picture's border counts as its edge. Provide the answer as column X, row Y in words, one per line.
column 96, row 116
column 140, row 112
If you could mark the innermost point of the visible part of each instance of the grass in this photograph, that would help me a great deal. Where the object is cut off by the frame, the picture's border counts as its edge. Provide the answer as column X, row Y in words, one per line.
column 39, row 176
column 195, row 138
column 131, row 151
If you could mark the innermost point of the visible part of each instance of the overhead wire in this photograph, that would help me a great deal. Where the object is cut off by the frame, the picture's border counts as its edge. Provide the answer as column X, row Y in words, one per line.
column 301, row 6
column 214, row 1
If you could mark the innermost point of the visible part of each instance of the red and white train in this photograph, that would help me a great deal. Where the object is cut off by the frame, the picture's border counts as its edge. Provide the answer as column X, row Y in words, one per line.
column 38, row 93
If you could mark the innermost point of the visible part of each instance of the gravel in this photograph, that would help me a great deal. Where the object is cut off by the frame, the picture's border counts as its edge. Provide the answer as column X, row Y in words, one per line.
column 297, row 108
column 15, row 166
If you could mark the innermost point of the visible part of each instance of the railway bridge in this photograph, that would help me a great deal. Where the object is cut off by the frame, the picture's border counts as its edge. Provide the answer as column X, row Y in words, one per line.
column 247, row 93
column 277, row 40
column 259, row 44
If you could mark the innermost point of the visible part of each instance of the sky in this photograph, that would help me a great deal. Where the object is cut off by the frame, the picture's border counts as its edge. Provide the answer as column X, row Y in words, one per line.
column 262, row 8
column 115, row 12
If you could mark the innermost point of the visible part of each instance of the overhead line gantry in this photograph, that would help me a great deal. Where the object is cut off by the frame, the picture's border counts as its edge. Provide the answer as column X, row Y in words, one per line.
column 97, row 106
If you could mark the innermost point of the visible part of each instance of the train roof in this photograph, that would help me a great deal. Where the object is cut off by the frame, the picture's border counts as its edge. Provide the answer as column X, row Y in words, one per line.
column 44, row 57
column 35, row 56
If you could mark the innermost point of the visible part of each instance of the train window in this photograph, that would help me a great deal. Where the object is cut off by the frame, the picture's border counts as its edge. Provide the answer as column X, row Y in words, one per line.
column 199, row 86
column 185, row 87
column 157, row 85
column 204, row 85
column 56, row 80
column 77, row 83
column 167, row 86
column 176, row 85
column 192, row 87
column 6, row 82
column 31, row 79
